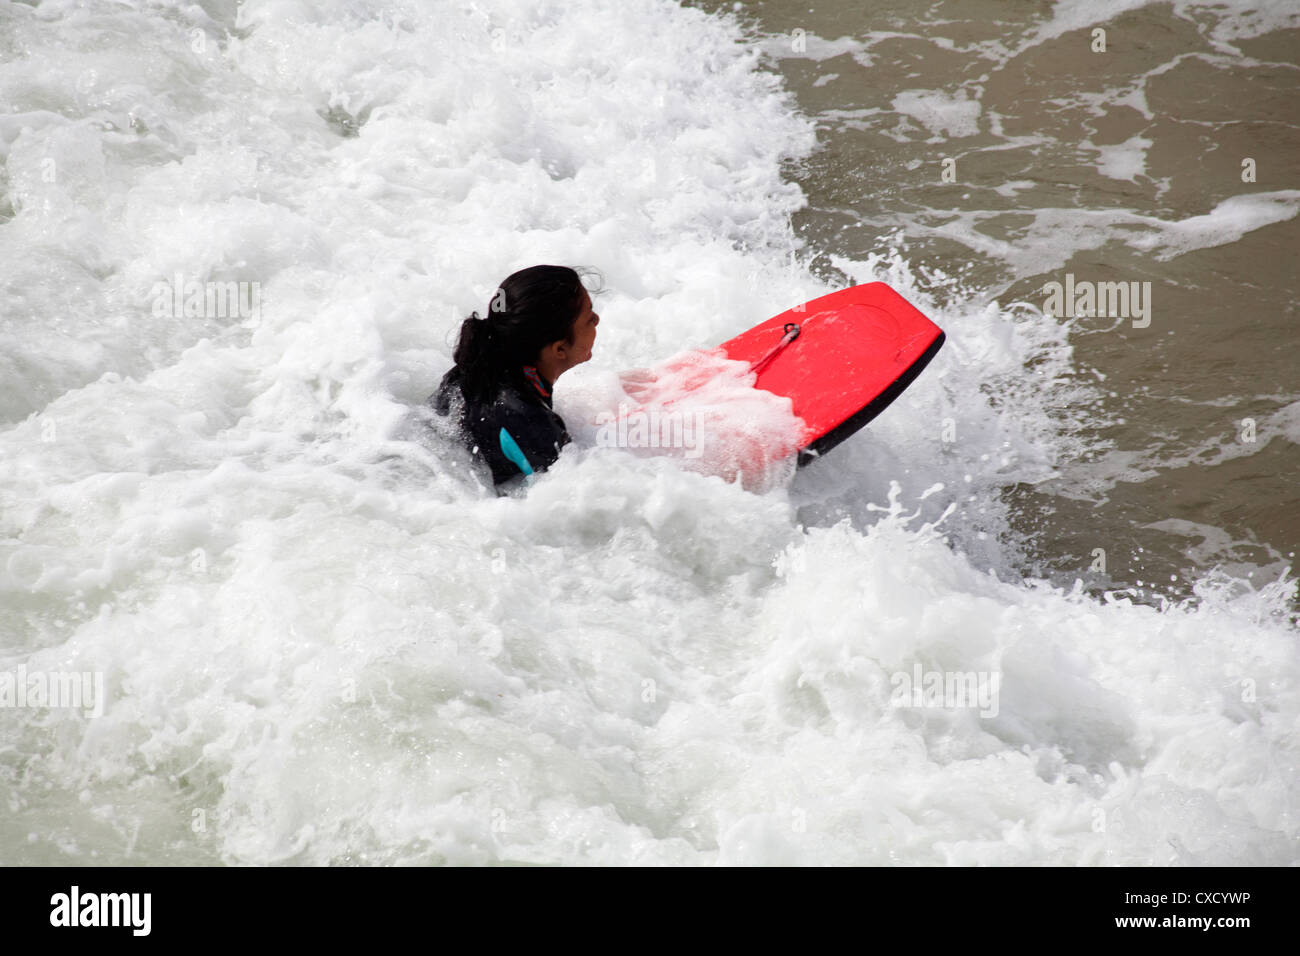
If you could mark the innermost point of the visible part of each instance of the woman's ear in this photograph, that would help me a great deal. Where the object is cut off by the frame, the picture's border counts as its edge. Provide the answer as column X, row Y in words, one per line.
column 554, row 353
column 554, row 359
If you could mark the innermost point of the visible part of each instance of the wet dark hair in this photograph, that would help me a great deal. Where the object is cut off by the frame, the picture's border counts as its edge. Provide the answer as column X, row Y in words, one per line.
column 529, row 310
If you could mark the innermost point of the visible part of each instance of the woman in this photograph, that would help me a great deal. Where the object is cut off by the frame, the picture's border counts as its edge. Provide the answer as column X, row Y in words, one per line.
column 539, row 325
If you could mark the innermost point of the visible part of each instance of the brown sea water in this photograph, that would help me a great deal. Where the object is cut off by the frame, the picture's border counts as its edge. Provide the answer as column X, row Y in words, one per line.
column 1000, row 147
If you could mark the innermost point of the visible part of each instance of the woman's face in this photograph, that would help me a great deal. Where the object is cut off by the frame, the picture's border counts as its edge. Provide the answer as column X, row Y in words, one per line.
column 560, row 356
column 584, row 332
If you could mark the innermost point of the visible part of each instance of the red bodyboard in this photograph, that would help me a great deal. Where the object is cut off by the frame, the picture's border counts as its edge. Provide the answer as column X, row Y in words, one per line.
column 855, row 352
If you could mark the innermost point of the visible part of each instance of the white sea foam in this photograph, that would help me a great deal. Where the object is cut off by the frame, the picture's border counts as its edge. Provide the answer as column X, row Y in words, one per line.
column 323, row 643
column 1054, row 235
column 698, row 407
column 942, row 114
column 1126, row 160
column 1230, row 20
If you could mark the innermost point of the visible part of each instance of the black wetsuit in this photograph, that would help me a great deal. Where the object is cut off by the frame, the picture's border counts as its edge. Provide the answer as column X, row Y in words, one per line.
column 522, row 406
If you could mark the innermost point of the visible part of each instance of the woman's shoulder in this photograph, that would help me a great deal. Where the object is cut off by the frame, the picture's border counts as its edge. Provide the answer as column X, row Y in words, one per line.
column 511, row 398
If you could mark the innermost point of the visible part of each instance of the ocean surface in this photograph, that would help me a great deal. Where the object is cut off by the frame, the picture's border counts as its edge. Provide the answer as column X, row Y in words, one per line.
column 1042, row 611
